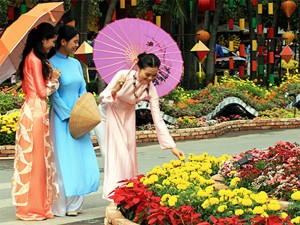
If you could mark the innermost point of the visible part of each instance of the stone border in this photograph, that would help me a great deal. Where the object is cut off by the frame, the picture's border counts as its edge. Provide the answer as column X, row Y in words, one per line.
column 8, row 151
column 222, row 128
column 114, row 217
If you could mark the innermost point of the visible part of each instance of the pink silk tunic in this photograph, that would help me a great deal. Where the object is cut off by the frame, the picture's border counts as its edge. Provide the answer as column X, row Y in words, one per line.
column 34, row 183
column 120, row 142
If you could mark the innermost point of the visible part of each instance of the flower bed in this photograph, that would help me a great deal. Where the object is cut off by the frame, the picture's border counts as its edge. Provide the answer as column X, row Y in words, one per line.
column 183, row 192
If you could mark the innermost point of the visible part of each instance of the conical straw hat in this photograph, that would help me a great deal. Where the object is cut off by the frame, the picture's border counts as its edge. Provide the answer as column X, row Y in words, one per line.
column 84, row 116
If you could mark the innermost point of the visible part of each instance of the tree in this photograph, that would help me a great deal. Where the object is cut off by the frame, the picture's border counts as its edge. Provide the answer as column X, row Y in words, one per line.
column 210, row 69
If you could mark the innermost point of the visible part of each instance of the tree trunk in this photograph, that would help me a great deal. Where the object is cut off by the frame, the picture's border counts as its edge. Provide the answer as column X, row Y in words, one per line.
column 110, row 11
column 81, row 20
column 210, row 66
column 252, row 37
column 271, row 67
column 190, row 80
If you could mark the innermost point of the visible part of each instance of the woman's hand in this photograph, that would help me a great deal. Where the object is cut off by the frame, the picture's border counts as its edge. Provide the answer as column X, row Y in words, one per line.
column 118, row 86
column 178, row 153
column 55, row 75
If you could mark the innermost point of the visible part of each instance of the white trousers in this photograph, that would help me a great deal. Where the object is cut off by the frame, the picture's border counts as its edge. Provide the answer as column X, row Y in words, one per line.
column 65, row 204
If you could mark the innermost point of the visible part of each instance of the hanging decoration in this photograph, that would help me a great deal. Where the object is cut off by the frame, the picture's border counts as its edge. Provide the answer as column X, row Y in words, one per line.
column 202, row 35
column 288, row 37
column 259, row 29
column 270, row 8
column 254, row 45
column 242, row 3
column 271, row 57
column 157, row 1
column 23, row 9
column 230, row 24
column 200, row 51
column 254, row 65
column 133, row 2
column 260, row 50
column 203, row 5
column 259, row 9
column 287, row 53
column 230, row 3
column 253, row 24
column 242, row 24
column 242, row 50
column 158, row 21
column 254, row 2
column 288, row 8
column 73, row 3
column 11, row 13
column 212, row 5
column 122, row 4
column 231, row 63
column 271, row 32
column 231, row 46
column 150, row 15
column 241, row 72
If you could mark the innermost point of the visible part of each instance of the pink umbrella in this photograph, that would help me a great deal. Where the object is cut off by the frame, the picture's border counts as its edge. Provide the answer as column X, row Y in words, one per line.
column 118, row 44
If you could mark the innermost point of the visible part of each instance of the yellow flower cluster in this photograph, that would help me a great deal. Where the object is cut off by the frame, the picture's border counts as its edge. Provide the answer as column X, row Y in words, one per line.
column 9, row 122
column 296, row 196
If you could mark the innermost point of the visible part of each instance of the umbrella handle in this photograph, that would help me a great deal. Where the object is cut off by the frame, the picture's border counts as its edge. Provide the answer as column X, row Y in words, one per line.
column 133, row 65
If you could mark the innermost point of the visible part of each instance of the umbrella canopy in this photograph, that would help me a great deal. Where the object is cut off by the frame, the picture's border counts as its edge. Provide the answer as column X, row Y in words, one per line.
column 85, row 53
column 14, row 37
column 120, row 42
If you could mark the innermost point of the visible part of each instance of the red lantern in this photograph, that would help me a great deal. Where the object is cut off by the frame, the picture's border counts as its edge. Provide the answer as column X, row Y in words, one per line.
column 212, row 5
column 202, row 35
column 242, row 50
column 259, row 29
column 254, row 2
column 230, row 25
column 241, row 71
column 150, row 15
column 157, row 1
column 203, row 5
column 271, row 32
column 73, row 3
column 11, row 13
column 271, row 57
column 288, row 8
column 254, row 65
column 260, row 50
column 231, row 63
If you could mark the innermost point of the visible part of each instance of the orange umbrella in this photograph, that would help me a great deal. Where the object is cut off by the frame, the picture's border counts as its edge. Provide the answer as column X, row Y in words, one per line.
column 14, row 37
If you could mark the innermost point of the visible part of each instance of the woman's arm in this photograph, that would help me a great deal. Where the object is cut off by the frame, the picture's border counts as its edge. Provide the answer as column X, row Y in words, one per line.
column 110, row 92
column 43, row 87
column 165, row 139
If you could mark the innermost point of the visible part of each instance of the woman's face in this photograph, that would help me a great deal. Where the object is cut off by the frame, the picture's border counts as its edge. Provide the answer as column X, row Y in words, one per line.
column 148, row 74
column 70, row 47
column 48, row 44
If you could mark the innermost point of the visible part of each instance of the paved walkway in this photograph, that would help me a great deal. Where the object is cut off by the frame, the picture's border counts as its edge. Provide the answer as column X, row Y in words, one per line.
column 149, row 155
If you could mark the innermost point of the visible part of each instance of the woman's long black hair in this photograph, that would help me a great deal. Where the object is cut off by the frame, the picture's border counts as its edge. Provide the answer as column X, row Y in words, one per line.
column 43, row 31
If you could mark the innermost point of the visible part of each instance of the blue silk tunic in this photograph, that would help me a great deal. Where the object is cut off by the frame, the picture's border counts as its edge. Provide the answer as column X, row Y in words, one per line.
column 76, row 157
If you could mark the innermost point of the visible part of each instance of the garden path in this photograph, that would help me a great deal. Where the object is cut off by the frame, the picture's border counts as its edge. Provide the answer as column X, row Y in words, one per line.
column 149, row 155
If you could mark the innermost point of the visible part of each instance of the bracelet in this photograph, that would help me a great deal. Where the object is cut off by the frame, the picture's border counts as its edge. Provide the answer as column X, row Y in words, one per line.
column 121, row 83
